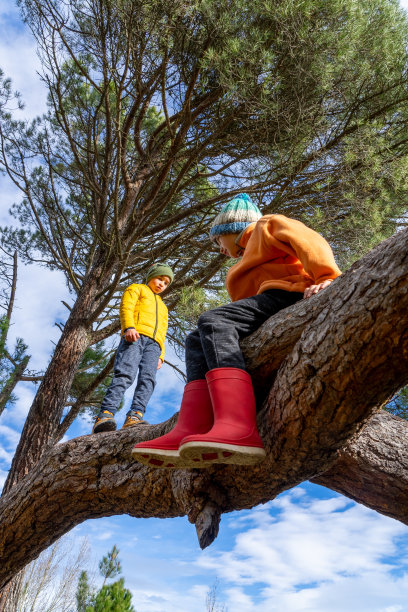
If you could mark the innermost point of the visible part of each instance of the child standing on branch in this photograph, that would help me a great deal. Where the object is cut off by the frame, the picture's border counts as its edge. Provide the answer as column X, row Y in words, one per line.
column 143, row 321
column 282, row 261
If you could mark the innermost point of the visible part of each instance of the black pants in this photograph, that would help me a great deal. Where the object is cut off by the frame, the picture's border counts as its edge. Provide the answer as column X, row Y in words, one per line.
column 215, row 342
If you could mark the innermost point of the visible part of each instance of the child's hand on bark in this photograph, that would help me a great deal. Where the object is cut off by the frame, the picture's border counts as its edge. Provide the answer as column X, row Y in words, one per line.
column 131, row 335
column 313, row 289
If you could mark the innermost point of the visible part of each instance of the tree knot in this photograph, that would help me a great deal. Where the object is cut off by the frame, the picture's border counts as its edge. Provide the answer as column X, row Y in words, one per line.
column 202, row 500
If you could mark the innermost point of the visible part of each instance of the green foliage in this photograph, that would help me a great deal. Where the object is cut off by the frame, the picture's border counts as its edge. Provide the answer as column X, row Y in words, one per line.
column 399, row 404
column 7, row 95
column 4, row 327
column 109, row 566
column 112, row 598
column 12, row 365
column 304, row 103
column 84, row 594
column 92, row 364
column 192, row 301
column 195, row 300
column 372, row 197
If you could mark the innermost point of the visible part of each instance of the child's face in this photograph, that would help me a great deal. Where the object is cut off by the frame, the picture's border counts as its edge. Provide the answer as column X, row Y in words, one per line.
column 158, row 283
column 228, row 246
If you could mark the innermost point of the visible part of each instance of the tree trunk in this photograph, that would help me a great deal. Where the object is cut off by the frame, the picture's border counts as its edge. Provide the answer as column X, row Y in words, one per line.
column 337, row 369
column 43, row 420
column 44, row 417
column 46, row 410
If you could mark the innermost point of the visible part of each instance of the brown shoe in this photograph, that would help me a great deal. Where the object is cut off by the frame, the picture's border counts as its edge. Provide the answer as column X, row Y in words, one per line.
column 136, row 418
column 104, row 422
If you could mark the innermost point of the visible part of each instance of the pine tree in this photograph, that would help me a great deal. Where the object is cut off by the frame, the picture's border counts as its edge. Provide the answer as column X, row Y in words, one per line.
column 84, row 593
column 112, row 598
column 109, row 566
column 159, row 112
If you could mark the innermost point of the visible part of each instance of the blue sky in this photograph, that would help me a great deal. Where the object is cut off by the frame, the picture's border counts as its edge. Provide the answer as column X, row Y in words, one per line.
column 309, row 550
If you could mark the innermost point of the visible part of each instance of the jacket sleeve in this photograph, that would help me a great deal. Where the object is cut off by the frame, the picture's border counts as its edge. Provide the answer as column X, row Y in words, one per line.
column 130, row 297
column 165, row 325
column 312, row 250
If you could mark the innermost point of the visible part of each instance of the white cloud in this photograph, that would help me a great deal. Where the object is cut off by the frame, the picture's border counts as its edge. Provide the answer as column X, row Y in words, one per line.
column 5, row 455
column 169, row 599
column 20, row 62
column 297, row 554
column 83, row 426
column 294, row 555
column 3, row 476
column 14, row 416
column 37, row 307
column 9, row 434
column 314, row 555
column 237, row 599
column 105, row 535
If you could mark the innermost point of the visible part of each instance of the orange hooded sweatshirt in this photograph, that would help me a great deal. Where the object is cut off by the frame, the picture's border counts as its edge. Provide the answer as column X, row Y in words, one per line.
column 280, row 253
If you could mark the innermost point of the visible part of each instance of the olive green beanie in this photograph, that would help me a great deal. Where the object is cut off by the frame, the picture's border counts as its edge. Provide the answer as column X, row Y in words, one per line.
column 159, row 269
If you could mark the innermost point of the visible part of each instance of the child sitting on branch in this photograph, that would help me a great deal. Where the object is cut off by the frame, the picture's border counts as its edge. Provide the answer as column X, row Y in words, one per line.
column 143, row 320
column 281, row 261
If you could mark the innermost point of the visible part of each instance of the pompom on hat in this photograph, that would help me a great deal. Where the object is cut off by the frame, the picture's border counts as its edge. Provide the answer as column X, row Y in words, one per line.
column 235, row 216
column 159, row 269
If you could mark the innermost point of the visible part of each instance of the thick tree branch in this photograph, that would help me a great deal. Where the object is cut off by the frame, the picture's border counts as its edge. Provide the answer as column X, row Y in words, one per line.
column 348, row 360
column 373, row 469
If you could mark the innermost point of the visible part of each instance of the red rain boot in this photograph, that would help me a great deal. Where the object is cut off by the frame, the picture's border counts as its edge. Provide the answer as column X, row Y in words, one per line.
column 196, row 416
column 234, row 437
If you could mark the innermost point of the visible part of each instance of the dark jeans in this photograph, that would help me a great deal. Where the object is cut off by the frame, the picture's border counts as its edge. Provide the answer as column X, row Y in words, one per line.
column 215, row 342
column 142, row 355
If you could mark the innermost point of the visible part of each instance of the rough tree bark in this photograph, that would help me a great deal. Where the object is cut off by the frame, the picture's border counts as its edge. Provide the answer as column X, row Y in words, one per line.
column 43, row 420
column 329, row 363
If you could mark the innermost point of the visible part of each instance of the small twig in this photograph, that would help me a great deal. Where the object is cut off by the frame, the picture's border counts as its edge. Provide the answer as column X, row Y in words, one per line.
column 177, row 370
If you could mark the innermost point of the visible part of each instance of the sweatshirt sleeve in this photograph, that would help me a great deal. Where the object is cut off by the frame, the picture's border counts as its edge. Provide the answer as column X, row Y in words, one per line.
column 130, row 297
column 312, row 250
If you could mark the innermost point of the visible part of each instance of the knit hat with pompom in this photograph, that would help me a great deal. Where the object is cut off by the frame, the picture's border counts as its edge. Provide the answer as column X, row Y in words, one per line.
column 235, row 216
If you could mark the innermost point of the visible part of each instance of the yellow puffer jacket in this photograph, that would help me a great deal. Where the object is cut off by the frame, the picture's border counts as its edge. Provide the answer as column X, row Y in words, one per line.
column 146, row 312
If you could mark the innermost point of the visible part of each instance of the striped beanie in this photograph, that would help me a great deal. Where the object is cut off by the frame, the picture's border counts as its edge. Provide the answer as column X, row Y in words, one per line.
column 235, row 216
column 159, row 269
